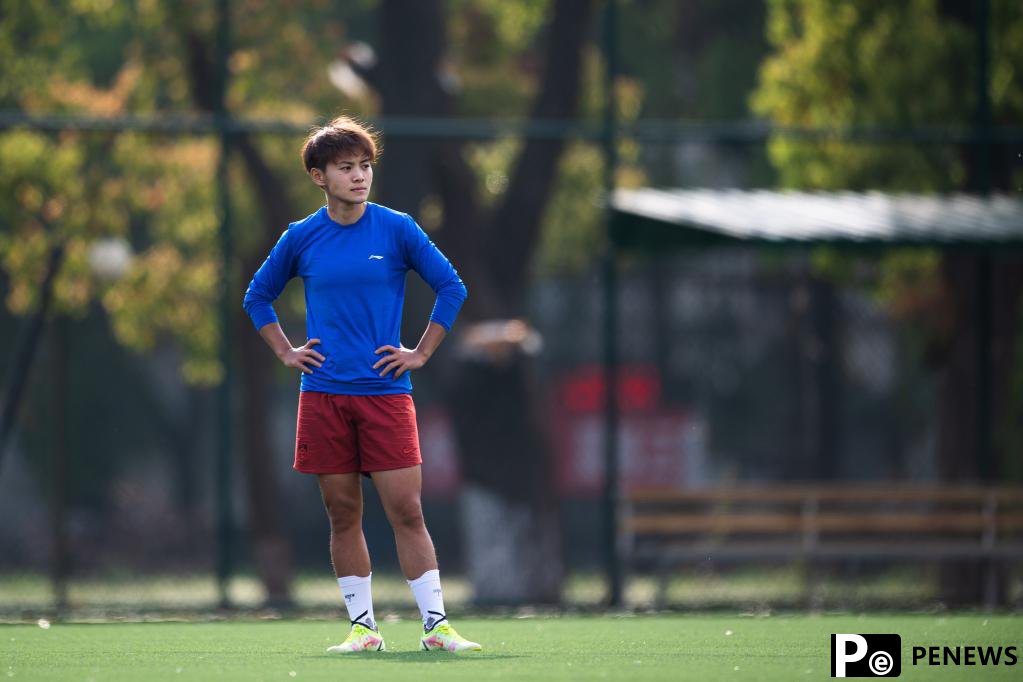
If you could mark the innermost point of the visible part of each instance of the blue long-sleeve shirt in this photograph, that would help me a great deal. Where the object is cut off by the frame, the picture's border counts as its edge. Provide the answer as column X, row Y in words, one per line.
column 354, row 277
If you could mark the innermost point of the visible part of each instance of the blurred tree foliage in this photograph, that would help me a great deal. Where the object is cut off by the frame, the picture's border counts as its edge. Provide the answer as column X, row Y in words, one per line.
column 106, row 58
column 894, row 66
column 900, row 65
column 840, row 64
column 694, row 60
column 891, row 65
column 73, row 59
column 697, row 59
column 156, row 192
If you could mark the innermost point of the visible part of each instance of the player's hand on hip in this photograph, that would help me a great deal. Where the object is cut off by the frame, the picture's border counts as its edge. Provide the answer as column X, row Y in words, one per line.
column 399, row 360
column 303, row 356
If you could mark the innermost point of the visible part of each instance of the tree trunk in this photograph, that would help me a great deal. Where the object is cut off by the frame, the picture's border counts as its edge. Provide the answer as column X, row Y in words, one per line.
column 412, row 41
column 972, row 583
column 825, row 312
column 408, row 86
column 515, row 534
column 61, row 462
column 271, row 549
column 959, row 581
column 1006, row 358
column 512, row 544
column 965, row 583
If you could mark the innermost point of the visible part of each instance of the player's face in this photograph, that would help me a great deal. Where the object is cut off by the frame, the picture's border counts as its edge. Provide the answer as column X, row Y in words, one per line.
column 348, row 179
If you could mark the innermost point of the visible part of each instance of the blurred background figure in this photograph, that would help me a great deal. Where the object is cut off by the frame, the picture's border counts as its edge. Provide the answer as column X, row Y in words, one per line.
column 762, row 257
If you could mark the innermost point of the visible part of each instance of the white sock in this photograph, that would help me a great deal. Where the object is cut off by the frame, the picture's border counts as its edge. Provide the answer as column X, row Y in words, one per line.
column 426, row 590
column 358, row 599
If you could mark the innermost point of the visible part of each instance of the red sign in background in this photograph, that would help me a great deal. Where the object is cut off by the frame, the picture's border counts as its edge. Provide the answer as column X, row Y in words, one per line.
column 658, row 446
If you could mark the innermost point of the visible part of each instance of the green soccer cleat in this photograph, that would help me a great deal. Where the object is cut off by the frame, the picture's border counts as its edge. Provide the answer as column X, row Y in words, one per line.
column 361, row 638
column 444, row 638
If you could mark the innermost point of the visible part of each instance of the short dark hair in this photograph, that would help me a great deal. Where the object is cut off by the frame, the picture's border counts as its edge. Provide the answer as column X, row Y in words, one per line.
column 343, row 136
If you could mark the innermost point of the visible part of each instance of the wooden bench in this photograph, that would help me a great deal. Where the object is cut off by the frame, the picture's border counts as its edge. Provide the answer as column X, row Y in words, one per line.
column 668, row 528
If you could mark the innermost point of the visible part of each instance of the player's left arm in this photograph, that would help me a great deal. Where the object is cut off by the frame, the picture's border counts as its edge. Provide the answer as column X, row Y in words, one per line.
column 423, row 256
column 401, row 360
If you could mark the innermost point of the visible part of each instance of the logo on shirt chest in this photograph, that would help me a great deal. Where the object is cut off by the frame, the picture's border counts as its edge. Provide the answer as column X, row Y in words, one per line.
column 375, row 257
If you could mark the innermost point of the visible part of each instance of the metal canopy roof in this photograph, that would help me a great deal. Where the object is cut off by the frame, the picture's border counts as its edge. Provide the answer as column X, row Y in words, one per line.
column 656, row 218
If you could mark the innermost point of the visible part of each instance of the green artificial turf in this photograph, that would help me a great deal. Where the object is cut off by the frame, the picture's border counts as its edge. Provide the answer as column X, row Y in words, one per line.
column 629, row 648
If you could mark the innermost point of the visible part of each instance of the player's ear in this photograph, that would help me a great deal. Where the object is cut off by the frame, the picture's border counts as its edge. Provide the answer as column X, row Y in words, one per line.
column 318, row 177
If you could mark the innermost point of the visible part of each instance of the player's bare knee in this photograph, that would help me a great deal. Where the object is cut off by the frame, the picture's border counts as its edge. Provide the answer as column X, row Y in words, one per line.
column 407, row 515
column 343, row 514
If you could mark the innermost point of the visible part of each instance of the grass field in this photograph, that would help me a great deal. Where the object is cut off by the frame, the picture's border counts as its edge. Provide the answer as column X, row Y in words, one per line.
column 29, row 596
column 702, row 647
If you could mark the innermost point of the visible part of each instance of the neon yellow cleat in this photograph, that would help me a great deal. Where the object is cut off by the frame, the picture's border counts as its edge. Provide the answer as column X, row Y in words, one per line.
column 361, row 638
column 444, row 638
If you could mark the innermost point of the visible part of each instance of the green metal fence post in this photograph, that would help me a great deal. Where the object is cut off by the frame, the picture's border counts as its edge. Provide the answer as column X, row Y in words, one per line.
column 985, row 459
column 225, row 449
column 610, row 291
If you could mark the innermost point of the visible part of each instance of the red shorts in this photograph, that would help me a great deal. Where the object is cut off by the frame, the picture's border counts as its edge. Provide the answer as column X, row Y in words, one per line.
column 341, row 434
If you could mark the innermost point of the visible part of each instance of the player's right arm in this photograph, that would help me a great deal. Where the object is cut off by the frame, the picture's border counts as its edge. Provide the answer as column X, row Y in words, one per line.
column 266, row 285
